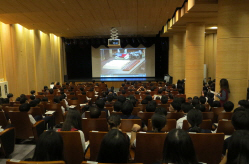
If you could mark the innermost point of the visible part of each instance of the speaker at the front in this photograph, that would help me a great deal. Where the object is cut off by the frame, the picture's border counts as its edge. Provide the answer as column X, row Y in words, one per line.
column 65, row 78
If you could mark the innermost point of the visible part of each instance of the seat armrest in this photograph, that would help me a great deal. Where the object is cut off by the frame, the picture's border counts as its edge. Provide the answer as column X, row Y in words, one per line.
column 38, row 128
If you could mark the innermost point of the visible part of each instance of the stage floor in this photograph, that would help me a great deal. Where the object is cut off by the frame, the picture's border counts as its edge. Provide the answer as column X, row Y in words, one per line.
column 116, row 79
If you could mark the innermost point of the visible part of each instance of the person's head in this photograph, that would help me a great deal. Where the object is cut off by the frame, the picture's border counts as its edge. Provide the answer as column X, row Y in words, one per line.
column 121, row 98
column 114, row 148
column 145, row 101
column 100, row 103
column 160, row 91
column 73, row 120
column 32, row 97
column 127, row 108
column 32, row 103
column 151, row 107
column 49, row 147
column 117, row 106
column 18, row 98
column 240, row 120
column 228, row 106
column 171, row 96
column 164, row 99
column 158, row 122
column 238, row 148
column 244, row 103
column 32, row 92
column 186, row 107
column 148, row 97
column 24, row 107
column 202, row 100
column 58, row 83
column 94, row 112
column 56, row 100
column 161, row 110
column 51, row 91
column 195, row 102
column 110, row 98
column 10, row 95
column 179, row 148
column 224, row 85
column 194, row 118
column 175, row 106
column 45, row 87
column 45, row 99
column 114, row 122
column 200, row 107
column 216, row 104
column 190, row 99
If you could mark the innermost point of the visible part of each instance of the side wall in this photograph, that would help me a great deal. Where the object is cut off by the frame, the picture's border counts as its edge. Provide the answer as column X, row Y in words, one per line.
column 29, row 59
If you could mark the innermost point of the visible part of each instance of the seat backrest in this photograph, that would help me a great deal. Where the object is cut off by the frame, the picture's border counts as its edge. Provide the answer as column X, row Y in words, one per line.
column 34, row 162
column 145, row 116
column 102, row 115
column 149, row 152
column 12, row 108
column 92, row 124
column 117, row 113
column 206, row 124
column 58, row 112
column 171, row 124
column 127, row 124
column 7, row 140
column 81, row 98
column 95, row 138
column 110, row 109
column 73, row 102
column 35, row 111
column 216, row 113
column 73, row 150
column 226, row 127
column 175, row 116
column 90, row 94
column 208, row 115
column 225, row 115
column 135, row 110
column 22, row 124
column 208, row 146
column 3, row 120
column 166, row 106
column 142, row 106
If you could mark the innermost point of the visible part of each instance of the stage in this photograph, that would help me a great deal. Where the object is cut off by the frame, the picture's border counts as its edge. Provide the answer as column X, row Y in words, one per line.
column 115, row 81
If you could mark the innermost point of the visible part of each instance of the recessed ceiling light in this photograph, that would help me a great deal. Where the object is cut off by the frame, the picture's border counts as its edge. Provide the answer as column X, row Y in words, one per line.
column 214, row 27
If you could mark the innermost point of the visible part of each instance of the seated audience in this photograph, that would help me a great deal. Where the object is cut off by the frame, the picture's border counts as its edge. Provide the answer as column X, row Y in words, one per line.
column 117, row 106
column 216, row 104
column 101, row 104
column 73, row 123
column 161, row 110
column 121, row 99
column 151, row 107
column 194, row 118
column 200, row 107
column 32, row 92
column 244, row 103
column 185, row 107
column 228, row 106
column 114, row 122
column 164, row 99
column 94, row 112
column 175, row 106
column 179, row 148
column 202, row 100
column 49, row 147
column 114, row 148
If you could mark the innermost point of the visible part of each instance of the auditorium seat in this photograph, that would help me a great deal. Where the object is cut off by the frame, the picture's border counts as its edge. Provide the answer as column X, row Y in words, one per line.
column 176, row 116
column 103, row 114
column 24, row 128
column 127, row 124
column 225, row 115
column 95, row 138
column 59, row 116
column 207, row 116
column 82, row 98
column 216, row 113
column 110, row 109
column 149, row 152
column 117, row 113
column 208, row 146
column 92, row 124
column 7, row 141
column 206, row 124
column 135, row 110
column 33, row 162
column 171, row 124
column 3, row 120
column 73, row 150
column 35, row 111
column 226, row 127
column 145, row 116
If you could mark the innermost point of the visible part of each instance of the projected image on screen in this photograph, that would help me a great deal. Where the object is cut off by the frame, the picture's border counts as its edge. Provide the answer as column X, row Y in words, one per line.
column 119, row 62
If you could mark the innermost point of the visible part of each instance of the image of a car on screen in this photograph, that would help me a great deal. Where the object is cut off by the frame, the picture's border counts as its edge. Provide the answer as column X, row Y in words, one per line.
column 131, row 55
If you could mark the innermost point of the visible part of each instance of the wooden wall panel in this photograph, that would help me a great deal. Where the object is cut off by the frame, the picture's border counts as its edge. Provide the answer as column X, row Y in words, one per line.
column 28, row 59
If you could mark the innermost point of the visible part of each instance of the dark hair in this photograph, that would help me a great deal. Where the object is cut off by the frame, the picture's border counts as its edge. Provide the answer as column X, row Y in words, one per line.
column 56, row 100
column 9, row 95
column 161, row 110
column 110, row 98
column 51, row 91
column 145, row 101
column 202, row 100
column 194, row 117
column 32, row 103
column 49, row 147
column 100, row 103
column 94, row 112
column 240, row 120
column 216, row 104
column 224, row 85
column 127, row 108
column 44, row 99
column 238, row 148
column 186, row 107
column 121, row 98
column 164, row 99
column 32, row 92
column 150, row 107
column 228, row 106
column 158, row 122
column 32, row 97
column 24, row 107
column 244, row 103
column 149, row 97
column 114, row 148
column 73, row 119
column 195, row 102
column 176, row 105
column 179, row 148
column 18, row 98
column 200, row 107
column 117, row 106
column 23, row 100
column 114, row 120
